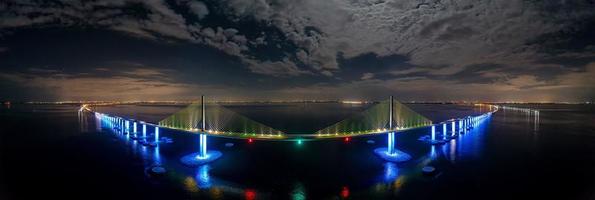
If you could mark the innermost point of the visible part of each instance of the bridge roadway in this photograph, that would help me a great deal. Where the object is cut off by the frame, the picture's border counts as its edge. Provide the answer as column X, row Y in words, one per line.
column 289, row 136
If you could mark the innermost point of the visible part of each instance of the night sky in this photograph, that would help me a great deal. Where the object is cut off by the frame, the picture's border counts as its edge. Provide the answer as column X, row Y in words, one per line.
column 507, row 50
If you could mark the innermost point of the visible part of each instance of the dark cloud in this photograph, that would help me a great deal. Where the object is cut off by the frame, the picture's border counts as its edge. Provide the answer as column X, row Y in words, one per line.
column 289, row 48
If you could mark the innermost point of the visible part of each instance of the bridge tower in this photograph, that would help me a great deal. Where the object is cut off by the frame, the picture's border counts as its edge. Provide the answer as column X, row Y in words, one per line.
column 390, row 153
column 203, row 129
column 203, row 156
column 391, row 129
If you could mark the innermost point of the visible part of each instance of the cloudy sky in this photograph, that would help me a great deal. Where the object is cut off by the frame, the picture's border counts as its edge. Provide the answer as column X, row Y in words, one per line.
column 501, row 50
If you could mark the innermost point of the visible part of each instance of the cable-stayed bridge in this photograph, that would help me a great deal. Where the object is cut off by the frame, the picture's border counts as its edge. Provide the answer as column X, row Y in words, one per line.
column 219, row 121
column 210, row 119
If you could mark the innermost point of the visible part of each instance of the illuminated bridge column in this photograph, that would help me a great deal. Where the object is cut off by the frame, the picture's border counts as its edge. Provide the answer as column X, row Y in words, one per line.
column 390, row 153
column 127, row 126
column 460, row 126
column 391, row 143
column 144, row 130
column 453, row 129
column 203, row 137
column 203, row 156
column 391, row 135
column 433, row 140
column 444, row 131
column 156, row 134
column 203, row 146
column 433, row 132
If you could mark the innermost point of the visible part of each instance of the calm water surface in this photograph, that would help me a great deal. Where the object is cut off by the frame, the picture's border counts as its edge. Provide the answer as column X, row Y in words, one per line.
column 50, row 151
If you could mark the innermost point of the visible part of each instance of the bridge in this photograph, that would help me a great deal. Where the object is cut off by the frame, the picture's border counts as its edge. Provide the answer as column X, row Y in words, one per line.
column 210, row 119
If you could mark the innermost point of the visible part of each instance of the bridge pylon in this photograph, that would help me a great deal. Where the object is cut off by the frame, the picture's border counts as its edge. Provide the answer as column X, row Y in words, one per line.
column 390, row 153
column 203, row 156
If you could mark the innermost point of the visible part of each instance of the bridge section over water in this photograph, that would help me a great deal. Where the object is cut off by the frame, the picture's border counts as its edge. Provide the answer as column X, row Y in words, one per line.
column 210, row 119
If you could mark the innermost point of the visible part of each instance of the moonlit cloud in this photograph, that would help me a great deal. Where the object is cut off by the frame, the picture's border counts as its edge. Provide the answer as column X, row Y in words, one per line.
column 426, row 50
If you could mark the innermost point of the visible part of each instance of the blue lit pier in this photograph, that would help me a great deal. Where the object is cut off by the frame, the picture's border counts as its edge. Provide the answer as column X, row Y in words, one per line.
column 203, row 156
column 390, row 153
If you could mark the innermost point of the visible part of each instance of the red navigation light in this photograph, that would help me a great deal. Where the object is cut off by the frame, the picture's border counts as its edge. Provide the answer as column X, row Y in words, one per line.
column 250, row 194
column 347, row 139
column 345, row 192
column 250, row 140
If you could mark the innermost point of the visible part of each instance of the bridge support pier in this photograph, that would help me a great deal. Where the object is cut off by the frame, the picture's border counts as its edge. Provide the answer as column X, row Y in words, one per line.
column 433, row 132
column 433, row 139
column 391, row 143
column 144, row 131
column 390, row 153
column 453, row 132
column 156, row 134
column 461, row 127
column 127, row 126
column 203, row 156
column 444, row 131
column 203, row 146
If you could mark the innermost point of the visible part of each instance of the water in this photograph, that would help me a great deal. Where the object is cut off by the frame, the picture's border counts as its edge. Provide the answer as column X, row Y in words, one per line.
column 49, row 151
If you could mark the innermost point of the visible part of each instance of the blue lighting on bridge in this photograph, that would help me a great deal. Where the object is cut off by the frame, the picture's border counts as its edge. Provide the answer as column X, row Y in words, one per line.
column 390, row 153
column 203, row 179
column 144, row 130
column 391, row 143
column 203, row 146
column 391, row 171
column 156, row 134
column 433, row 153
column 444, row 131
column 195, row 159
column 453, row 129
column 460, row 126
column 433, row 132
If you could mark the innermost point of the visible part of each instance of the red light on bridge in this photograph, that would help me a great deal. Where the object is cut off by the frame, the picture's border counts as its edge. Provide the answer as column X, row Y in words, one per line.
column 345, row 192
column 347, row 139
column 250, row 140
column 250, row 194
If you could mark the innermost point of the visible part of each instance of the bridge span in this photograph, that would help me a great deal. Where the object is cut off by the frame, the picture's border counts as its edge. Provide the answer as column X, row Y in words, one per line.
column 209, row 119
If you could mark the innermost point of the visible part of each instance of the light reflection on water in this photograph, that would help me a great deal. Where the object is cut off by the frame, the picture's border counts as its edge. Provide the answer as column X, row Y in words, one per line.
column 433, row 153
column 391, row 171
column 299, row 192
column 202, row 177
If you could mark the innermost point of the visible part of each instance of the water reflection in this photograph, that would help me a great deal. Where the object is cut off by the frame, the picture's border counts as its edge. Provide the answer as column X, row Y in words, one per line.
column 450, row 150
column 157, row 156
column 345, row 192
column 433, row 153
column 391, row 172
column 531, row 115
column 83, row 122
column 190, row 184
column 249, row 194
column 298, row 192
column 536, row 121
column 202, row 177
